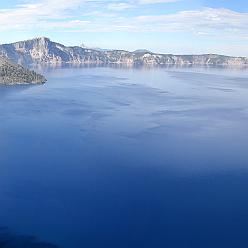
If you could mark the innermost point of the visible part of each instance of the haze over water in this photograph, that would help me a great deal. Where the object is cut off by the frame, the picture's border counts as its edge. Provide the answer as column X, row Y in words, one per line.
column 106, row 157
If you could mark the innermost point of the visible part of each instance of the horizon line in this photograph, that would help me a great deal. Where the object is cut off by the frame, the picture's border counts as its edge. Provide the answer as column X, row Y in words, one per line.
column 96, row 48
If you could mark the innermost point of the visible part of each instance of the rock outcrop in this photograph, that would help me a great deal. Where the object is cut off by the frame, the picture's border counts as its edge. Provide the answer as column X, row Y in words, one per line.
column 43, row 50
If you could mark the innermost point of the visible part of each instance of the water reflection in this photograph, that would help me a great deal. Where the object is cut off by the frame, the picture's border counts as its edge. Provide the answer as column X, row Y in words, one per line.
column 195, row 68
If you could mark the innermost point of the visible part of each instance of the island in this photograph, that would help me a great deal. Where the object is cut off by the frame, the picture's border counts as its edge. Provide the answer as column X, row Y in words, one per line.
column 11, row 74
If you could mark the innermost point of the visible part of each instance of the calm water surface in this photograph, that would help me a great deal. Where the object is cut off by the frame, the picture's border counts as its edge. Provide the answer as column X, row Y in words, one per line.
column 124, row 158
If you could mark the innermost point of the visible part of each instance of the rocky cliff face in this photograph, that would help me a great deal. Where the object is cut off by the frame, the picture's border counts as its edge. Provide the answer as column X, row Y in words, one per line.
column 42, row 50
column 11, row 73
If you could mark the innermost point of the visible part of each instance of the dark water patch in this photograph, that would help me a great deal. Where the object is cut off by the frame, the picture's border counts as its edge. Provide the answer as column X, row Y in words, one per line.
column 11, row 240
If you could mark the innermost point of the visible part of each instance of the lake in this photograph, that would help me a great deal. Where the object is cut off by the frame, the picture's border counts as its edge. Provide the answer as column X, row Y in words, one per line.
column 125, row 158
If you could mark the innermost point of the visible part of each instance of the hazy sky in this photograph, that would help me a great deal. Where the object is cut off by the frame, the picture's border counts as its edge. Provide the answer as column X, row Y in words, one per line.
column 168, row 26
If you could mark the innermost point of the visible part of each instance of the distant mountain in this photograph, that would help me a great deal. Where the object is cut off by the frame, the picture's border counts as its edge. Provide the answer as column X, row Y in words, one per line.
column 43, row 50
column 11, row 73
column 142, row 51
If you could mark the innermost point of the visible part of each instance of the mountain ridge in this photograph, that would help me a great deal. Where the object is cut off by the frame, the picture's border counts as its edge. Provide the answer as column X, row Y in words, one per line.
column 42, row 50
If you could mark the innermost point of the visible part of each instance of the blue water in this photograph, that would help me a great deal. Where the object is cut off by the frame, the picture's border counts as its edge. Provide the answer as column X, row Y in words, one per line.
column 124, row 158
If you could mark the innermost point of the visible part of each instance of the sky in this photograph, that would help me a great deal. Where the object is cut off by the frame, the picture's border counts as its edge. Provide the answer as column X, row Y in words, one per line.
column 164, row 26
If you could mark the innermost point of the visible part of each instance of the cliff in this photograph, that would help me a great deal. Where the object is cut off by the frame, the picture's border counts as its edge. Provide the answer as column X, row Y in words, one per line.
column 43, row 50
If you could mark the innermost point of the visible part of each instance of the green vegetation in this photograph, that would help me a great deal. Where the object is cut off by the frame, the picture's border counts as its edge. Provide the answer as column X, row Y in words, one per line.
column 17, row 74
